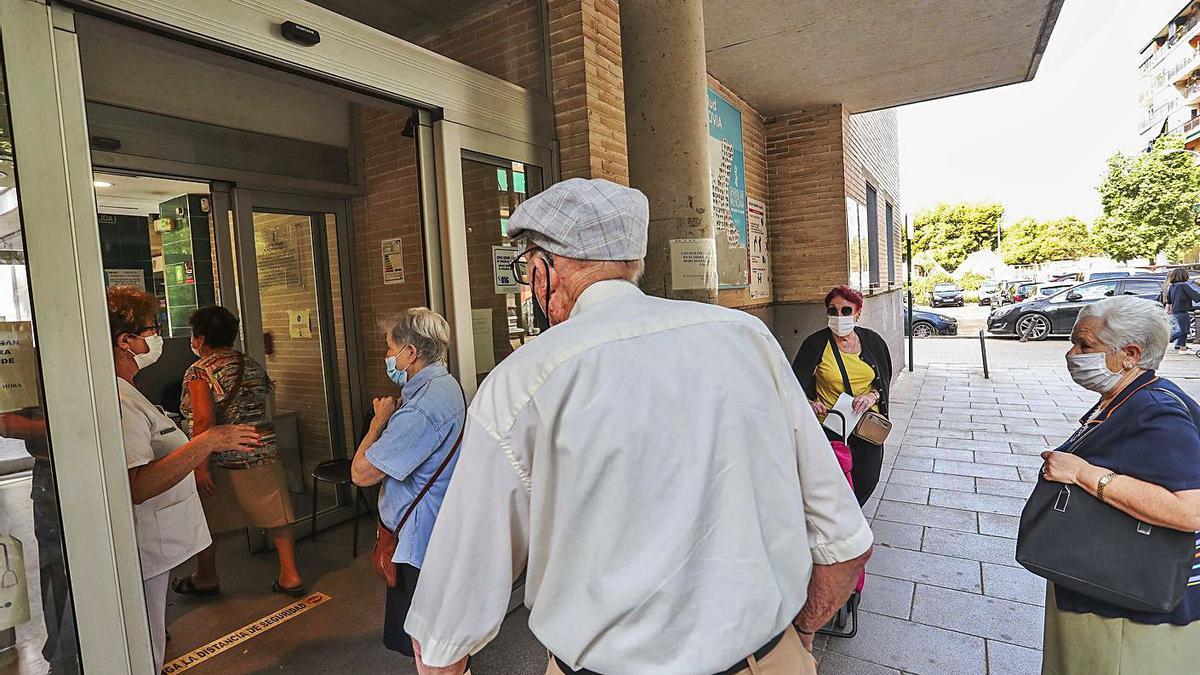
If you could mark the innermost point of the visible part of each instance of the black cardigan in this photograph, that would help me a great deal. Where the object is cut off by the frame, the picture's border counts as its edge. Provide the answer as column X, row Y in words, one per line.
column 874, row 353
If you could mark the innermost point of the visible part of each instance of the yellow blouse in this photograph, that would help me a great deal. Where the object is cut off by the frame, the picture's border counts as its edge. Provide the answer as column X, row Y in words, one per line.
column 829, row 377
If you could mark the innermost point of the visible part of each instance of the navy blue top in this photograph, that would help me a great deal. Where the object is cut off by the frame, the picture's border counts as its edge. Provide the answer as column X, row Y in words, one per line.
column 1180, row 296
column 1145, row 434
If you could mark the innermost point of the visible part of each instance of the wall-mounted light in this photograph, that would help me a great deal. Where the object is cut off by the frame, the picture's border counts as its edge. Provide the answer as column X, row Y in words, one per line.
column 101, row 183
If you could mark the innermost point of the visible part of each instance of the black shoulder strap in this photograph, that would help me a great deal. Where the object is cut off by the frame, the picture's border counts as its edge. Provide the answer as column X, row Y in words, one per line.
column 837, row 355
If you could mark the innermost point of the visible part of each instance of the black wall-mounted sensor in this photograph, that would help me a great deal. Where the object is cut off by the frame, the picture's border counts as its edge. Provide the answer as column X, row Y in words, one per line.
column 300, row 34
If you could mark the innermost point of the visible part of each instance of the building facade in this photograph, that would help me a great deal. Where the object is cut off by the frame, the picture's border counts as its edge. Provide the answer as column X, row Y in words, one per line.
column 315, row 167
column 1169, row 75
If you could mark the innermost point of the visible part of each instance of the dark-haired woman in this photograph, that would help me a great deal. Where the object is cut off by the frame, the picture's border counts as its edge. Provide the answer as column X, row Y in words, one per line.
column 1180, row 298
column 238, row 490
column 867, row 365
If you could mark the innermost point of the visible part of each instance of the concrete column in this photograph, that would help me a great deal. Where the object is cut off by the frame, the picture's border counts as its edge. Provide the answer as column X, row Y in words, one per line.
column 666, row 116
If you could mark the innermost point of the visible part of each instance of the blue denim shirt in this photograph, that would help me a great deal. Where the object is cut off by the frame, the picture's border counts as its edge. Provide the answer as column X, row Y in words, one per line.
column 417, row 438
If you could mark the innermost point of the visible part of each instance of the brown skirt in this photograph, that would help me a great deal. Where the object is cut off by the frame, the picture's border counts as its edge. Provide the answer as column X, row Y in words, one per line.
column 254, row 497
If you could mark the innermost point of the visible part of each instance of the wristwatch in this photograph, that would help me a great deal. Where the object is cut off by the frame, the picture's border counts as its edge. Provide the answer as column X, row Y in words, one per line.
column 1103, row 483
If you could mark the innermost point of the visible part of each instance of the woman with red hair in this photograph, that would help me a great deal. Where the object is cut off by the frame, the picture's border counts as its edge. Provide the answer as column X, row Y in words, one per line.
column 846, row 358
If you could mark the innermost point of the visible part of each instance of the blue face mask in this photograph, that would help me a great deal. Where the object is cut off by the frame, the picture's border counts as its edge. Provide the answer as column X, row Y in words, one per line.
column 400, row 377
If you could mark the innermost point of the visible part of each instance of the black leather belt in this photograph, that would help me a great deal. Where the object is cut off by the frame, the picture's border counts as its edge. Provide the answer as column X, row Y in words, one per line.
column 758, row 655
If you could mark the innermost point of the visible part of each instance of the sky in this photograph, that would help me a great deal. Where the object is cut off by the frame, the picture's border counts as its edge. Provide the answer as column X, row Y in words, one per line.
column 1038, row 147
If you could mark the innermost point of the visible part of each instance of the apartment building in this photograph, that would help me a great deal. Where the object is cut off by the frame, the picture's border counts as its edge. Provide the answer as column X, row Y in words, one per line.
column 1169, row 74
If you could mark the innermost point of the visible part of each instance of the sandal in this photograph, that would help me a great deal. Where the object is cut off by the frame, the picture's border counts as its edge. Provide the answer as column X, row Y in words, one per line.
column 187, row 586
column 295, row 591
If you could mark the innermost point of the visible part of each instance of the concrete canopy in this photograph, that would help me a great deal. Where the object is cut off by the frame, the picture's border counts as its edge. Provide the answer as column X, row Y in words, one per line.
column 787, row 55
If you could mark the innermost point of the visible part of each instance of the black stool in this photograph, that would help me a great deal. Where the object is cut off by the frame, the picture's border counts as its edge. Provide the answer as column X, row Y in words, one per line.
column 337, row 472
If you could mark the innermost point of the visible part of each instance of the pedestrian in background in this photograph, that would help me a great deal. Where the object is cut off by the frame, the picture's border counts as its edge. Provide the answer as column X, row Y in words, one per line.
column 238, row 490
column 1180, row 297
column 650, row 462
column 846, row 358
column 410, row 448
column 1138, row 450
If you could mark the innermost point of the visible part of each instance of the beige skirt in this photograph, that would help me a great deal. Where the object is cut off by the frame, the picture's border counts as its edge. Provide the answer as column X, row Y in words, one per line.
column 254, row 497
column 1094, row 645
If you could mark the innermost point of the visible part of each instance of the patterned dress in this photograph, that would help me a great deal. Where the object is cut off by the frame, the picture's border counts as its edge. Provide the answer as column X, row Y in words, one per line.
column 221, row 371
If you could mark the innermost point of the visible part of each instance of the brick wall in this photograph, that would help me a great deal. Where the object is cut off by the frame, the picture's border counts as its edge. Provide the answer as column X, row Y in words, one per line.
column 872, row 147
column 588, row 89
column 390, row 208
column 505, row 42
column 807, row 203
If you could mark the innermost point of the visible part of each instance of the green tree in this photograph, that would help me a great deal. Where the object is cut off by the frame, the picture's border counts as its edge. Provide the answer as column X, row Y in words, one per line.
column 1150, row 203
column 951, row 232
column 1029, row 241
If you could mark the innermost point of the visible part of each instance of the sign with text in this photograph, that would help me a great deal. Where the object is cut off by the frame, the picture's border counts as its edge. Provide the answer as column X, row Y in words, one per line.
column 18, row 367
column 760, row 250
column 503, row 278
column 393, row 261
column 693, row 264
column 727, row 171
column 125, row 277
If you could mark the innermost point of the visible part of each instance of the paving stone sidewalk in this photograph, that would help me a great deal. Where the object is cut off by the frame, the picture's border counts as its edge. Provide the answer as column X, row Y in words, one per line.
column 943, row 592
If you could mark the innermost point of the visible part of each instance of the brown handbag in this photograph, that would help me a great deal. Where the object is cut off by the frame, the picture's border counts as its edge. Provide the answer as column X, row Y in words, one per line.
column 872, row 427
column 386, row 539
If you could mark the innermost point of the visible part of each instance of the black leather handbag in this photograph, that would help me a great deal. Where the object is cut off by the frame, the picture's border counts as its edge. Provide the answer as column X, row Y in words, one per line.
column 1078, row 542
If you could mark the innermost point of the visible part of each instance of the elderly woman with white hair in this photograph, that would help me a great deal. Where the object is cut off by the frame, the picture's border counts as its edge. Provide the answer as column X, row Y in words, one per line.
column 1138, row 450
column 411, row 447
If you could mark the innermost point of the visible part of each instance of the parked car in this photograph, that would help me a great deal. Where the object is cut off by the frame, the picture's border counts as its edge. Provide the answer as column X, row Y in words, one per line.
column 989, row 293
column 1024, row 290
column 926, row 323
column 1117, row 274
column 1040, row 318
column 1008, row 290
column 946, row 295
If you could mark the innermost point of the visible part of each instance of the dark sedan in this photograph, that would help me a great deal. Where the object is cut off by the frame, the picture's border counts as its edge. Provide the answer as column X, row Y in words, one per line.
column 1040, row 318
column 946, row 294
column 927, row 324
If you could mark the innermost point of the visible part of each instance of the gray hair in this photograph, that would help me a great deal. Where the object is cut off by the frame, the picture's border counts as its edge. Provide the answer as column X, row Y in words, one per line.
column 1129, row 320
column 422, row 328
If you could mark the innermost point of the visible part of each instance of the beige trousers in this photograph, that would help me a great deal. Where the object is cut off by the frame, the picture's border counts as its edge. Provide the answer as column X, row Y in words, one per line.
column 788, row 658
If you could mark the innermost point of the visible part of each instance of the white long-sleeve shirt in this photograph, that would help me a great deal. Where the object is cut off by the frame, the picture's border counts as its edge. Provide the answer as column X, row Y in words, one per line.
column 657, row 467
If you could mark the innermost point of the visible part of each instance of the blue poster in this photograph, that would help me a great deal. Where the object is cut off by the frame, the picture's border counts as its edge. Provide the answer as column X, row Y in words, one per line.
column 727, row 170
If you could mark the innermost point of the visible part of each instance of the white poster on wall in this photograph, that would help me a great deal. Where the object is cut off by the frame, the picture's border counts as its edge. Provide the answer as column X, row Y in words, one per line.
column 503, row 278
column 393, row 261
column 125, row 277
column 693, row 264
column 760, row 250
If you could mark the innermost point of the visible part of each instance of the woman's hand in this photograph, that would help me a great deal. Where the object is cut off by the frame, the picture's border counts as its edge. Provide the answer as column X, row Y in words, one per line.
column 1063, row 467
column 239, row 437
column 204, row 480
column 385, row 407
column 818, row 408
column 864, row 402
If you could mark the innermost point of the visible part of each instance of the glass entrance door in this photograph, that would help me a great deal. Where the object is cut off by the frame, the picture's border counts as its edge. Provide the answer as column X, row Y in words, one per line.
column 290, row 283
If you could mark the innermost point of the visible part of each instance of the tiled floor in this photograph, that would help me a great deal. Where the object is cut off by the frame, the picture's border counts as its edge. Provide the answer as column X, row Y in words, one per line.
column 944, row 593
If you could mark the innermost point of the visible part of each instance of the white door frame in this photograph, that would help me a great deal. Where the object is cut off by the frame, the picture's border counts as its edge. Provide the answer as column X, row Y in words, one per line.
column 58, row 211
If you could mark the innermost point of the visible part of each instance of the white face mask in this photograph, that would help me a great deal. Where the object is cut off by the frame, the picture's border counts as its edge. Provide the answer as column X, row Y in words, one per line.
column 155, row 344
column 841, row 325
column 1091, row 372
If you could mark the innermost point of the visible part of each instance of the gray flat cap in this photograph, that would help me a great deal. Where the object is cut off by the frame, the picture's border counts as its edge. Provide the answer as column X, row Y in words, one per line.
column 585, row 219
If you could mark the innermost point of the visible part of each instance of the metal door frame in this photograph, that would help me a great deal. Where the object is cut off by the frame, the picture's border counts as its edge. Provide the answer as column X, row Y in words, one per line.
column 245, row 204
column 452, row 143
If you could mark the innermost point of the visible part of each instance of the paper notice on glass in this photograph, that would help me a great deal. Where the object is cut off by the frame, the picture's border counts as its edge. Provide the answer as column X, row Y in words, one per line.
column 503, row 278
column 300, row 323
column 693, row 264
column 393, row 261
column 844, row 405
column 18, row 367
column 485, row 350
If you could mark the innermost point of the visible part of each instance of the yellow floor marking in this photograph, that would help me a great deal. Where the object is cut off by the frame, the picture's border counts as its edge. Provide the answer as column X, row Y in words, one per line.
column 251, row 630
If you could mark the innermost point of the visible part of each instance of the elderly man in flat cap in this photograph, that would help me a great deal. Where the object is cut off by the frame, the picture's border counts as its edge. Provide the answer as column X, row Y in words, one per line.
column 652, row 463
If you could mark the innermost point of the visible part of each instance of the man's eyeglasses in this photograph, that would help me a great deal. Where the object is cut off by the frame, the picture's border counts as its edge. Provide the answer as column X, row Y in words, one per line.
column 833, row 311
column 520, row 265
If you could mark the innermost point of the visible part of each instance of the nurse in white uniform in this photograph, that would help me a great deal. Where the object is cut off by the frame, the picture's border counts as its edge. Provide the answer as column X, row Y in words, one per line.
column 167, row 513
